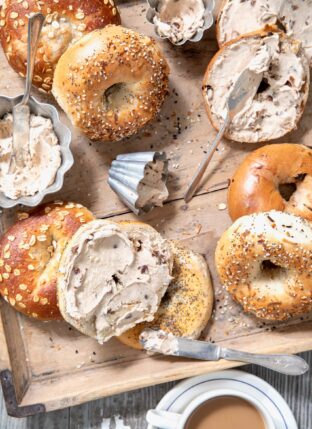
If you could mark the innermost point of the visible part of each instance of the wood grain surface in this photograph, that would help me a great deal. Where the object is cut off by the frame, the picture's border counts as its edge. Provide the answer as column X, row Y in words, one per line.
column 183, row 130
column 132, row 406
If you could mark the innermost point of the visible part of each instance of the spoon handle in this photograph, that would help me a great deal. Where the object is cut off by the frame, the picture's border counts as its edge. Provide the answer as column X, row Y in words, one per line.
column 35, row 24
column 205, row 162
column 285, row 364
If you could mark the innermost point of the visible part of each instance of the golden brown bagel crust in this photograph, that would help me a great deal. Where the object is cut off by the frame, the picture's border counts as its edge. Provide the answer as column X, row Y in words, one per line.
column 187, row 306
column 80, row 17
column 255, row 34
column 29, row 257
column 117, row 59
column 255, row 184
column 264, row 260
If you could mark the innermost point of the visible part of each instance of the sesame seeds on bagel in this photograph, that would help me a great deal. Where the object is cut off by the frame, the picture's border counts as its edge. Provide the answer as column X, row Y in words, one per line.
column 66, row 22
column 264, row 260
column 111, row 83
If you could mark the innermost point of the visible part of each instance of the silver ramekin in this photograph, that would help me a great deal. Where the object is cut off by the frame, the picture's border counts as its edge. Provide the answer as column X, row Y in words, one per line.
column 64, row 136
column 208, row 20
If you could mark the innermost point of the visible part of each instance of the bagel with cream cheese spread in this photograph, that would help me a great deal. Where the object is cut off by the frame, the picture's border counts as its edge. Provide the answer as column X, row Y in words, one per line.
column 283, row 77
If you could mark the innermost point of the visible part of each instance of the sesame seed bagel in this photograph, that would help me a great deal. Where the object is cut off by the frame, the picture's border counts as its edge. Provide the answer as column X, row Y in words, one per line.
column 280, row 91
column 66, row 22
column 265, row 261
column 111, row 83
column 30, row 252
column 262, row 180
column 187, row 305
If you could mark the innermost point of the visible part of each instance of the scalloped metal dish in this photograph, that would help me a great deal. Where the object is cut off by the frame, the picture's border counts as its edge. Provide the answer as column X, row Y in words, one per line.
column 64, row 136
column 208, row 20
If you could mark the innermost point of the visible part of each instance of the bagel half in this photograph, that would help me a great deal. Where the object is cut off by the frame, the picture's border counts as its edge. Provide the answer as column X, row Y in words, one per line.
column 264, row 260
column 65, row 23
column 30, row 253
column 187, row 305
column 112, row 277
column 237, row 17
column 280, row 98
column 260, row 182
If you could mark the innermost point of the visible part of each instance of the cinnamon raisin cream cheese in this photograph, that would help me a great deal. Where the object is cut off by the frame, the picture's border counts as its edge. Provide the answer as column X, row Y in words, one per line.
column 240, row 17
column 179, row 20
column 113, row 277
column 41, row 164
column 282, row 86
column 152, row 190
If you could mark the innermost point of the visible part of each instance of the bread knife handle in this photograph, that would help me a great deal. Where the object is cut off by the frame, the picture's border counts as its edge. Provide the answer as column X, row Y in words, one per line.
column 285, row 364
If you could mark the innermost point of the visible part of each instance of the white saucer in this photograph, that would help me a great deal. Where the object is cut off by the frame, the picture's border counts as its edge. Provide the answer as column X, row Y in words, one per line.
column 183, row 393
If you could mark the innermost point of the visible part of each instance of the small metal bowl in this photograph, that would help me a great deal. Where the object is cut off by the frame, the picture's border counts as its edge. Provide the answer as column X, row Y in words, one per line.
column 64, row 136
column 208, row 21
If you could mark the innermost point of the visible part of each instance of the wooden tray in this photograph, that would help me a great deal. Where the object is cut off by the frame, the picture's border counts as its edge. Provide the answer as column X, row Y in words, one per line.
column 53, row 366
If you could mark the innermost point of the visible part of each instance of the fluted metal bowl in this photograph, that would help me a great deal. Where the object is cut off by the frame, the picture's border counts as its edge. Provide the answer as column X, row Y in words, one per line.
column 208, row 20
column 64, row 137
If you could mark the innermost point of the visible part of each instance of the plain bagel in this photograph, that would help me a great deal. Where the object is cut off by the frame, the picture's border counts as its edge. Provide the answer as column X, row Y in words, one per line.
column 187, row 305
column 239, row 17
column 66, row 22
column 265, row 176
column 111, row 83
column 280, row 98
column 265, row 261
column 30, row 253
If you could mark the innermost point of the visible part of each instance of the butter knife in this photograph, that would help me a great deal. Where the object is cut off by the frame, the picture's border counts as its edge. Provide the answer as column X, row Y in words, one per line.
column 21, row 112
column 168, row 344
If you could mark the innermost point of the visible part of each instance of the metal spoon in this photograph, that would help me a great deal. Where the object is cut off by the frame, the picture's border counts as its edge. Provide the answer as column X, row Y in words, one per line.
column 244, row 88
column 21, row 112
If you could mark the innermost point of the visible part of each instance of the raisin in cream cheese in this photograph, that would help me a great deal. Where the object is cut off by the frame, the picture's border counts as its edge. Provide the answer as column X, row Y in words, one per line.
column 179, row 20
column 239, row 17
column 41, row 163
column 280, row 92
column 152, row 190
column 113, row 277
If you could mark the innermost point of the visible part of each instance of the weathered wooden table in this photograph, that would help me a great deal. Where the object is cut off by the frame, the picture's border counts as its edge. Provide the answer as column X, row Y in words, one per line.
column 132, row 406
column 184, row 111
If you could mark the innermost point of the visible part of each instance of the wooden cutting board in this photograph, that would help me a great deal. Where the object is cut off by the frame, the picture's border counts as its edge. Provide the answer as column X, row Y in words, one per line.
column 52, row 365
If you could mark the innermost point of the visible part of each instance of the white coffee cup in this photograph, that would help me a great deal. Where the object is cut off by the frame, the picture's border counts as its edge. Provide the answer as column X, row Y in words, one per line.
column 168, row 420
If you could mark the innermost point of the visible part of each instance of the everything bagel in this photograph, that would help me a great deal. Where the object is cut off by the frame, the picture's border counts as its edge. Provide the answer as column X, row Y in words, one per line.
column 265, row 262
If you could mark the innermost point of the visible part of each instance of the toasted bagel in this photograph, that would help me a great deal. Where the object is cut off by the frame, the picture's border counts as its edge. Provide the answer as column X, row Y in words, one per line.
column 187, row 305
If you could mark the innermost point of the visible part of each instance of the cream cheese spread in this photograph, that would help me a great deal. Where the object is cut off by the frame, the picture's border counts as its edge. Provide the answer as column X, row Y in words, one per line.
column 294, row 16
column 41, row 164
column 159, row 342
column 112, row 279
column 277, row 104
column 179, row 20
column 152, row 190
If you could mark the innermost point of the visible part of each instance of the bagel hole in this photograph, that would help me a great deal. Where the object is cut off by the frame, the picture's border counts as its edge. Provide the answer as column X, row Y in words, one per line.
column 117, row 96
column 268, row 265
column 286, row 190
column 264, row 85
